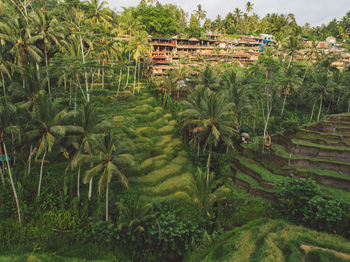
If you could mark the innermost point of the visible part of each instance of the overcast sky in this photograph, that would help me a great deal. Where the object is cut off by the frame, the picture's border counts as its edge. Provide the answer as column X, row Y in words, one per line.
column 316, row 12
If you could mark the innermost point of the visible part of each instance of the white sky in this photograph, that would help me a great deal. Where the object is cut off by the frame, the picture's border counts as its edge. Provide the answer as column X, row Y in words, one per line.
column 316, row 12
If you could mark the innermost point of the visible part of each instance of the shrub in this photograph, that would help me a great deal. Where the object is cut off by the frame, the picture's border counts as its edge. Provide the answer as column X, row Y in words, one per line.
column 295, row 193
column 323, row 214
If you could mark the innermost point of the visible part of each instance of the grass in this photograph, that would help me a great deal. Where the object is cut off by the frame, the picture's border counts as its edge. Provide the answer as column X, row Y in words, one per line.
column 170, row 186
column 319, row 172
column 160, row 175
column 310, row 144
column 280, row 151
column 251, row 181
column 270, row 241
column 265, row 174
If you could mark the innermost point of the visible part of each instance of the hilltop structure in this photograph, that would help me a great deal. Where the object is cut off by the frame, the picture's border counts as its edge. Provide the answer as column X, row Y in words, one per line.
column 167, row 51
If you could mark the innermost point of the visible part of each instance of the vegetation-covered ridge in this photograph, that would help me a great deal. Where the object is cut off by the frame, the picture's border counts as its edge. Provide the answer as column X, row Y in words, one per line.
column 273, row 241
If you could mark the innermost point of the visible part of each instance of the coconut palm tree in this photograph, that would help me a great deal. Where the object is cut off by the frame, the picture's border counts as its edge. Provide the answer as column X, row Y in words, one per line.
column 47, row 28
column 208, row 78
column 8, row 127
column 200, row 13
column 323, row 84
column 210, row 122
column 108, row 157
column 200, row 192
column 142, row 48
column 249, row 7
column 88, row 120
column 292, row 46
column 49, row 125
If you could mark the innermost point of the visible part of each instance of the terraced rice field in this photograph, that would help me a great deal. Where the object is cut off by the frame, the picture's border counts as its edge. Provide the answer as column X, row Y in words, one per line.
column 274, row 241
column 164, row 165
column 319, row 151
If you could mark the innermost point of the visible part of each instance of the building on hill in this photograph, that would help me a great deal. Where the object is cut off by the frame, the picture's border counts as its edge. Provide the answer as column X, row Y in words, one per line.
column 168, row 51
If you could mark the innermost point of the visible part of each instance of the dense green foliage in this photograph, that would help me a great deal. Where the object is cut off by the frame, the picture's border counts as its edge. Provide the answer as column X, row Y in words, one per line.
column 95, row 165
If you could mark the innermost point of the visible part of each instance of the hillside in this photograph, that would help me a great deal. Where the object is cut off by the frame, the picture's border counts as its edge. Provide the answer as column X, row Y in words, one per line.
column 273, row 240
column 164, row 165
column 319, row 150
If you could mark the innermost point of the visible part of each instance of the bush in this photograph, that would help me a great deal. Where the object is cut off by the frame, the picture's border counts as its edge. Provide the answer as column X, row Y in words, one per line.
column 294, row 194
column 323, row 214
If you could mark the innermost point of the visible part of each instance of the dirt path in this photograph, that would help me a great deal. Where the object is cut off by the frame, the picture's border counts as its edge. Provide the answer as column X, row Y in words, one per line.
column 308, row 248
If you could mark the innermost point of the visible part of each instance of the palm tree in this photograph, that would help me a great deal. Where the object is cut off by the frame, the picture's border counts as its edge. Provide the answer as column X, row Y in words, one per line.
column 48, row 127
column 238, row 14
column 97, row 11
column 208, row 78
column 211, row 122
column 200, row 192
column 83, row 142
column 49, row 32
column 289, row 81
column 108, row 157
column 200, row 13
column 142, row 48
column 134, row 215
column 249, row 7
column 237, row 93
column 7, row 127
column 322, row 86
column 292, row 46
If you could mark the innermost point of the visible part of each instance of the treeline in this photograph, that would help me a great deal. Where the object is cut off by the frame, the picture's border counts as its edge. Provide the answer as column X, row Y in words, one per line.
column 168, row 20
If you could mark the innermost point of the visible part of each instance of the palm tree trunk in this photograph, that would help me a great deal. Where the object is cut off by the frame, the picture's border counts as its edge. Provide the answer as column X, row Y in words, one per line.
column 103, row 75
column 312, row 111
column 208, row 162
column 133, row 91
column 284, row 103
column 120, row 80
column 31, row 153
column 138, row 79
column 107, row 202
column 85, row 73
column 47, row 70
column 41, row 172
column 90, row 189
column 13, row 185
column 319, row 111
column 349, row 106
column 78, row 182
column 290, row 61
column 3, row 83
column 127, row 76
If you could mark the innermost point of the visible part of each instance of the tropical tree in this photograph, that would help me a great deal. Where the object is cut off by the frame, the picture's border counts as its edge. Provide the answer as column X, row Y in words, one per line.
column 249, row 7
column 208, row 79
column 322, row 86
column 49, row 125
column 7, row 128
column 108, row 157
column 200, row 13
column 210, row 122
column 201, row 192
column 142, row 49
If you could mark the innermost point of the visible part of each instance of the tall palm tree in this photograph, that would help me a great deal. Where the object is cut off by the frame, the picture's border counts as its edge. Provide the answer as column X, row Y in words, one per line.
column 289, row 80
column 292, row 46
column 200, row 192
column 208, row 78
column 108, row 158
column 211, row 122
column 142, row 48
column 238, row 13
column 49, row 31
column 8, row 127
column 249, row 7
column 48, row 127
column 322, row 86
column 88, row 120
column 200, row 13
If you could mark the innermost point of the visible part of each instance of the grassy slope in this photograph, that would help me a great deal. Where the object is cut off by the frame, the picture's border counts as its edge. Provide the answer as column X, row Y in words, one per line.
column 164, row 164
column 272, row 241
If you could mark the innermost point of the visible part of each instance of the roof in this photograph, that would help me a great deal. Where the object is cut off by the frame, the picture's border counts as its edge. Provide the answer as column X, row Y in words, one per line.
column 163, row 38
column 193, row 39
